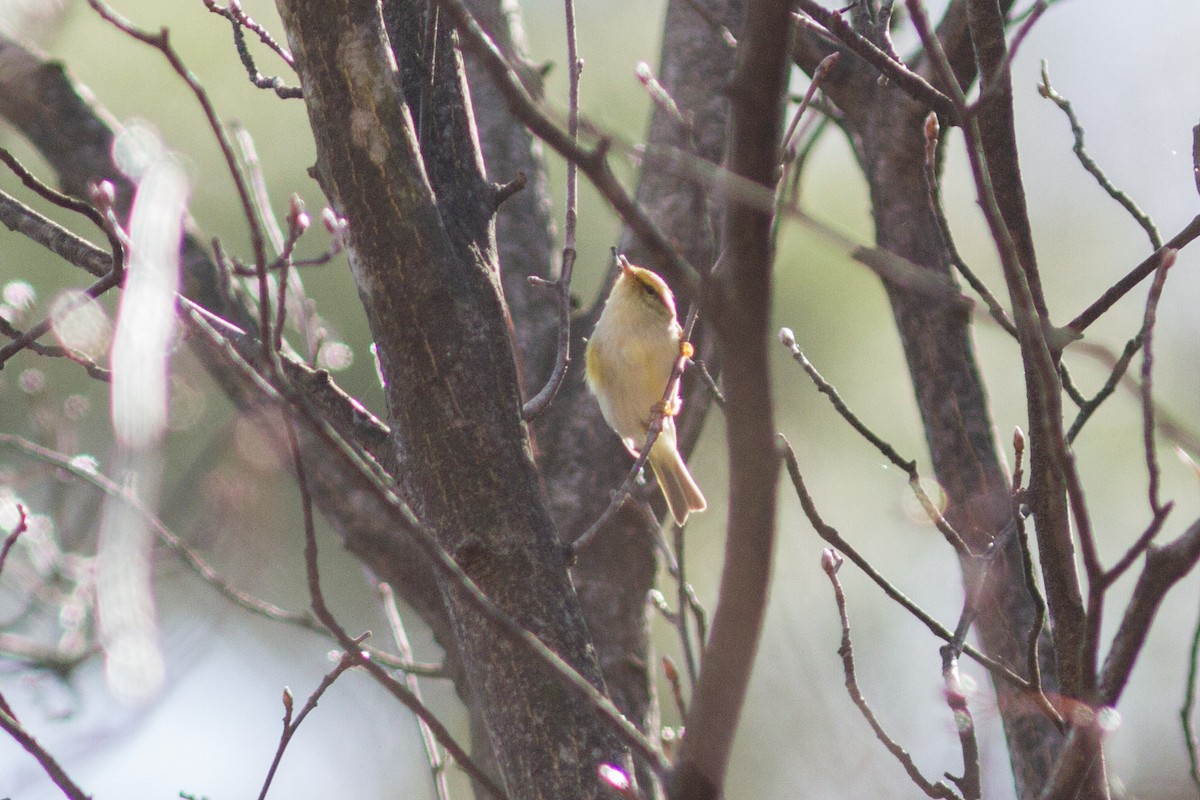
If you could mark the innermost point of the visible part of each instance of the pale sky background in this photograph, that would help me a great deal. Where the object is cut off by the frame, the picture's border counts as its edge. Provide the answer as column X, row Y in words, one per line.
column 1132, row 72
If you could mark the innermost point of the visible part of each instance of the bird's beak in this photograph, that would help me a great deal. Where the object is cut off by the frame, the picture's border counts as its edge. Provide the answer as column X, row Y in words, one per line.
column 626, row 267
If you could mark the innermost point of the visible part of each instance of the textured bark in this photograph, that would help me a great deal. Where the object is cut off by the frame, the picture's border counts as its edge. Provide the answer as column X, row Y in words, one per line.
column 432, row 296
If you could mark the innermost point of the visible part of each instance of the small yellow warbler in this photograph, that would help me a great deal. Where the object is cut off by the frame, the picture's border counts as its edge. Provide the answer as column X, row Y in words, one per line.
column 630, row 358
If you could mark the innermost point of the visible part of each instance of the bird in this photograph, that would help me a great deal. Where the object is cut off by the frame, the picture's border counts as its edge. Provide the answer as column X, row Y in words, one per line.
column 631, row 356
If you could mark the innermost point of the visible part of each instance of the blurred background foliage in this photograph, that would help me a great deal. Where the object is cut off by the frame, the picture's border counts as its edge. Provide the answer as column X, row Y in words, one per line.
column 1131, row 73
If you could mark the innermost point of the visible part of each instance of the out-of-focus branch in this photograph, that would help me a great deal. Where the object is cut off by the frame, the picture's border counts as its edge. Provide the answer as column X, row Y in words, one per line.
column 737, row 300
column 26, row 740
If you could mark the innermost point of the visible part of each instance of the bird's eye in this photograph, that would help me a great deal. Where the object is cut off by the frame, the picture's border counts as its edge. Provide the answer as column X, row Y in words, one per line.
column 649, row 290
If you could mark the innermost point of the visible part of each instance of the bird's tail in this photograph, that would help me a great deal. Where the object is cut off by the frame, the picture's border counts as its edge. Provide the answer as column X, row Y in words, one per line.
column 682, row 494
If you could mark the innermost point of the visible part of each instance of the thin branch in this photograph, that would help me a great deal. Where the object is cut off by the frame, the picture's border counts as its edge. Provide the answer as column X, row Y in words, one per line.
column 292, row 724
column 109, row 281
column 686, row 601
column 562, row 359
column 662, row 98
column 239, row 20
column 964, row 723
column 1164, row 567
column 672, row 674
column 52, row 768
column 1033, row 664
column 897, row 71
column 788, row 339
column 933, row 188
column 1142, row 219
column 819, row 75
column 789, row 154
column 830, row 562
column 1148, row 324
column 1135, row 276
column 93, row 369
column 1089, row 407
column 11, row 539
column 1186, row 720
column 71, row 204
column 831, row 535
column 1196, row 155
column 65, row 244
column 235, row 14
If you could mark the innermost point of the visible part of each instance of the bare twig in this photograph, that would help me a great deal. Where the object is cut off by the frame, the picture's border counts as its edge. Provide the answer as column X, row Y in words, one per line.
column 830, row 562
column 11, row 539
column 52, row 768
column 73, row 249
column 292, row 724
column 662, row 98
column 1089, row 406
column 93, row 369
column 106, row 226
column 819, row 74
column 235, row 14
column 788, row 339
column 686, row 601
column 831, row 535
column 109, row 281
column 913, row 84
column 1148, row 323
column 933, row 187
column 1164, row 567
column 242, row 22
column 964, row 723
column 1141, row 217
column 1135, row 276
column 672, row 674
column 1186, row 720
